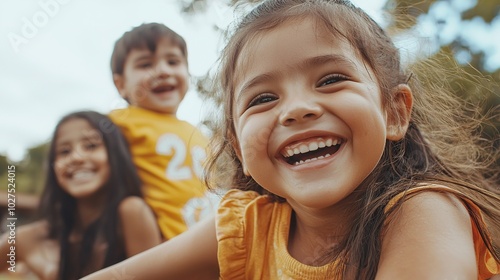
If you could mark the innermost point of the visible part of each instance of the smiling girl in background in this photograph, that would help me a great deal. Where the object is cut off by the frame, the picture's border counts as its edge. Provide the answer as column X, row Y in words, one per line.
column 345, row 166
column 92, row 212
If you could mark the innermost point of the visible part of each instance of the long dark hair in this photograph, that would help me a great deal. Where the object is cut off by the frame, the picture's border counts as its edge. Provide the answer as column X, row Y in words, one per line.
column 441, row 145
column 58, row 208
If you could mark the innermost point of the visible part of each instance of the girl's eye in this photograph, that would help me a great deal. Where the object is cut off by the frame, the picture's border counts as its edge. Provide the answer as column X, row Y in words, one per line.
column 63, row 152
column 261, row 99
column 91, row 146
column 332, row 79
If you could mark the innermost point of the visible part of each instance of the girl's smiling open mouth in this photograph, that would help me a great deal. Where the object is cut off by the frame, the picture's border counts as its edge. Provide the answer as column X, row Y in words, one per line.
column 311, row 149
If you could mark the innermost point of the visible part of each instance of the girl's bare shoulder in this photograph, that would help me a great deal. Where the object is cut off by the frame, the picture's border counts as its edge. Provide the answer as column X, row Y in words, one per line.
column 429, row 229
column 132, row 206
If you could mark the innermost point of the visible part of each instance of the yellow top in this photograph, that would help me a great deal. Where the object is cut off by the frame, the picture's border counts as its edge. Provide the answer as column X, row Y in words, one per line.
column 168, row 154
column 252, row 232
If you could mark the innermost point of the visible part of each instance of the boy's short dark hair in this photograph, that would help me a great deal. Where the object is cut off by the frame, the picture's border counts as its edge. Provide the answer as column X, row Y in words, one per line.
column 143, row 36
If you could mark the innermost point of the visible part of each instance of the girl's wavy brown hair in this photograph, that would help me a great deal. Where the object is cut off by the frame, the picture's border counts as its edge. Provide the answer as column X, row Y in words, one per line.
column 442, row 144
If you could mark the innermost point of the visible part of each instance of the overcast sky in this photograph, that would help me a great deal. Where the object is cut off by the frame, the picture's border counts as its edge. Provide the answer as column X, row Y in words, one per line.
column 55, row 55
column 55, row 59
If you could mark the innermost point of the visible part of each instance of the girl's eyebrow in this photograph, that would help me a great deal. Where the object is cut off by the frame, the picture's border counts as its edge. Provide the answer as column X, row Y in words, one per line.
column 329, row 59
column 92, row 136
column 310, row 62
column 253, row 82
column 60, row 144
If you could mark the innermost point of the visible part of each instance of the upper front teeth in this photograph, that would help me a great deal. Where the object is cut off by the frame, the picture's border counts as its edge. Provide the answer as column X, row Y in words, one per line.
column 311, row 146
column 82, row 174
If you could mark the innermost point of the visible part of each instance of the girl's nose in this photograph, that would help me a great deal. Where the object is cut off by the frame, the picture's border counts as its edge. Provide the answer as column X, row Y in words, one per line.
column 77, row 156
column 299, row 110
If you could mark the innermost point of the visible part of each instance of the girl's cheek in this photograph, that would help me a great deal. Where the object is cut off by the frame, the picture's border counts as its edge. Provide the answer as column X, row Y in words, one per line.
column 58, row 165
column 255, row 142
column 248, row 152
column 59, row 169
column 102, row 156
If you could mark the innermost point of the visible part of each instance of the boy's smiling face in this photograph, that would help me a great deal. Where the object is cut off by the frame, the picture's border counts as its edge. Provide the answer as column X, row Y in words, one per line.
column 155, row 81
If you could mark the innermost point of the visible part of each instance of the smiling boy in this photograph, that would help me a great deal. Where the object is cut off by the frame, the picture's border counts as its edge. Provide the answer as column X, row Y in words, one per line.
column 150, row 71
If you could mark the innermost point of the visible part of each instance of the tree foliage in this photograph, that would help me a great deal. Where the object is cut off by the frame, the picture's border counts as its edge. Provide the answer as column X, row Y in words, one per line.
column 30, row 172
column 487, row 96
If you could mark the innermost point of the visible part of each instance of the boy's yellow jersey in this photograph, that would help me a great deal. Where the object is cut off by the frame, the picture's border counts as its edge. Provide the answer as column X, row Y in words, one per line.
column 169, row 154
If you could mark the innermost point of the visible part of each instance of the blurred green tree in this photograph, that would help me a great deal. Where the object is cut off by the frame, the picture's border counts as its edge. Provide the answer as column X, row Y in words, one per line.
column 484, row 14
column 30, row 172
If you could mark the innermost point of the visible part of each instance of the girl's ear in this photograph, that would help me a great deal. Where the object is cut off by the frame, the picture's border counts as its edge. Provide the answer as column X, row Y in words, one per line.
column 237, row 151
column 399, row 112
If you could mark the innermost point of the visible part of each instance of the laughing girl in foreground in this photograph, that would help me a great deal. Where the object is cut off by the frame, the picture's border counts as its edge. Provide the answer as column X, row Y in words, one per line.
column 338, row 170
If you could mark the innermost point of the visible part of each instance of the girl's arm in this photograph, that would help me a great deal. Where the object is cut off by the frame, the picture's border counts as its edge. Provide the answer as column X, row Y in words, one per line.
column 429, row 237
column 191, row 255
column 16, row 240
column 139, row 227
column 29, row 245
column 5, row 249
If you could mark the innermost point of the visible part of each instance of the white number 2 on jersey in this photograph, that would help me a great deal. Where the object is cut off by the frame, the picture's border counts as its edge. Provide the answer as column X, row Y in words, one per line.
column 171, row 143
